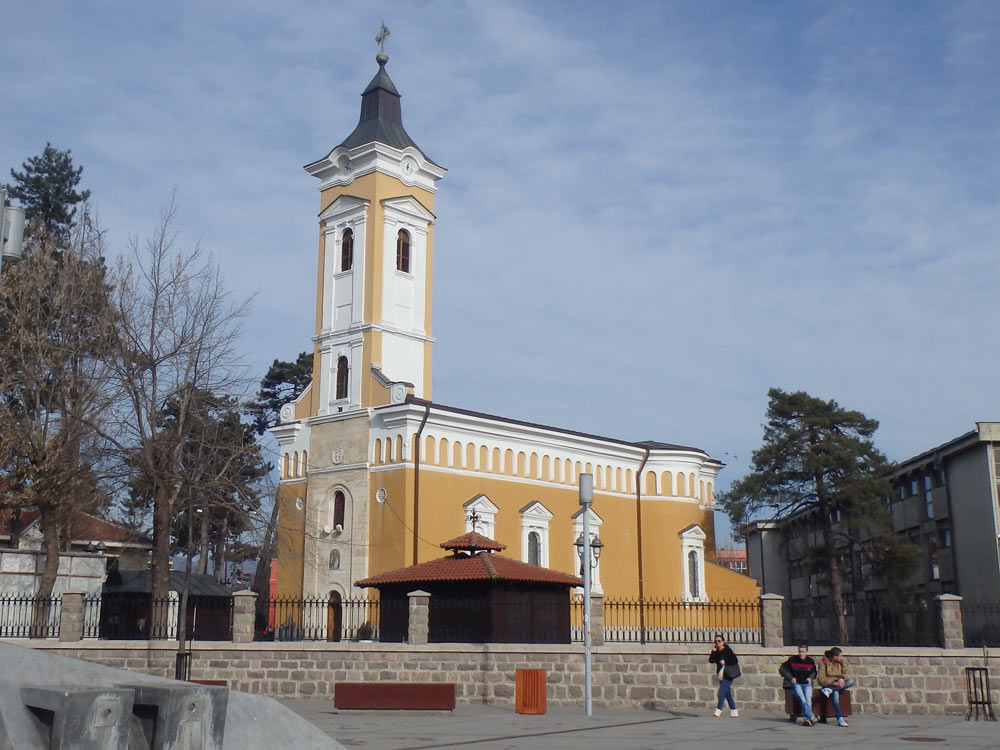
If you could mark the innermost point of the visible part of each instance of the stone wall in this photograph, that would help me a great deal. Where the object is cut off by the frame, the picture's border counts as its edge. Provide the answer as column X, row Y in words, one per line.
column 663, row 676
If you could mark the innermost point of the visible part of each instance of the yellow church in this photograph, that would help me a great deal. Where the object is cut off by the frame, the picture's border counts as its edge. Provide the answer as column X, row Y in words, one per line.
column 374, row 474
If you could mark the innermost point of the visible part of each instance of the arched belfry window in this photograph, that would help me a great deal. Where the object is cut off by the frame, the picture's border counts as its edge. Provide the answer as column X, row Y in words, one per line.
column 339, row 501
column 347, row 250
column 694, row 585
column 403, row 251
column 342, row 370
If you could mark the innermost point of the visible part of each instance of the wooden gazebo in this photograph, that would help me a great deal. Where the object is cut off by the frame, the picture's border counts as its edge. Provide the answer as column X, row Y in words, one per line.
column 478, row 596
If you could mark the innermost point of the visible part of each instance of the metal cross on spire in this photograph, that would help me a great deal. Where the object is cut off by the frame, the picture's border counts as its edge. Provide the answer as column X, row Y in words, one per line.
column 380, row 37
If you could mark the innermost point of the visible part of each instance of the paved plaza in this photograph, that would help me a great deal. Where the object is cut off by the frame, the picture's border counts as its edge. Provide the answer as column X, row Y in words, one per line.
column 482, row 727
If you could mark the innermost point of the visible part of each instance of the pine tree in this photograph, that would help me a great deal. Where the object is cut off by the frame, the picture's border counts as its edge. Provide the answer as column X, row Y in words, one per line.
column 818, row 457
column 47, row 190
column 283, row 382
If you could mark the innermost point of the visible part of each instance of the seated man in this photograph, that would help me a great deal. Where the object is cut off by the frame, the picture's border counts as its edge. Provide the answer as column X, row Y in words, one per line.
column 832, row 679
column 799, row 672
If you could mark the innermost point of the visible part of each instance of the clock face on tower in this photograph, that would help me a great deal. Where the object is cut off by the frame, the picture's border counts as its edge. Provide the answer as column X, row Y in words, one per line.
column 409, row 167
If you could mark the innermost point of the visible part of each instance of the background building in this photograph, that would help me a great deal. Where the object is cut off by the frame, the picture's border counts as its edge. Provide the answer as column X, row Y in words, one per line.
column 945, row 501
column 374, row 473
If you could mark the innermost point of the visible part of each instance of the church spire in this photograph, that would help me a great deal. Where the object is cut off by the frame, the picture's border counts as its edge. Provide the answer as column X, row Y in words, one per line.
column 381, row 118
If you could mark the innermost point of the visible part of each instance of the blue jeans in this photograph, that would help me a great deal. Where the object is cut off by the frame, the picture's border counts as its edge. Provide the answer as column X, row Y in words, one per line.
column 726, row 694
column 835, row 696
column 804, row 692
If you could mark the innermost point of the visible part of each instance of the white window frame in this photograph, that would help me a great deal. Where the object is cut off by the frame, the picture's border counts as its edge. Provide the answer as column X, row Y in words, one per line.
column 595, row 526
column 487, row 513
column 693, row 540
column 331, row 509
column 535, row 517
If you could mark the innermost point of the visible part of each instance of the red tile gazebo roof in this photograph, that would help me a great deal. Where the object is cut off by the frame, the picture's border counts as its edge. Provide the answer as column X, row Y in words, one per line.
column 481, row 566
column 473, row 541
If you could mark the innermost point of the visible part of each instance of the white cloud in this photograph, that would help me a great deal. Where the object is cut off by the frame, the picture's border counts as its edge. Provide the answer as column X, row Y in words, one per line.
column 652, row 213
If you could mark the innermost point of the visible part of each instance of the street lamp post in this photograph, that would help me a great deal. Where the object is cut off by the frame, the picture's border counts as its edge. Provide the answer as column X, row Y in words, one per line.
column 11, row 230
column 589, row 552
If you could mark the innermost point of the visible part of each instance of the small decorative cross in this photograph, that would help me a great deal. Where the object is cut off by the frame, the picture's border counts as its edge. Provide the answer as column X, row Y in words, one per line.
column 474, row 519
column 380, row 37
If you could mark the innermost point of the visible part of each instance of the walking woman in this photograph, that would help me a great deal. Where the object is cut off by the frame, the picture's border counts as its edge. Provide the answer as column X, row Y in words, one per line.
column 728, row 667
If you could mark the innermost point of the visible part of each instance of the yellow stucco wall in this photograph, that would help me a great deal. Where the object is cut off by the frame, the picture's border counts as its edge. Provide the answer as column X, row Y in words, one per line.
column 290, row 540
column 441, row 518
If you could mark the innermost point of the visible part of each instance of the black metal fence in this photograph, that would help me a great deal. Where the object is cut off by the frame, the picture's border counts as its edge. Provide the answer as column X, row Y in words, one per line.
column 869, row 623
column 29, row 616
column 322, row 620
column 981, row 623
column 666, row 621
column 139, row 617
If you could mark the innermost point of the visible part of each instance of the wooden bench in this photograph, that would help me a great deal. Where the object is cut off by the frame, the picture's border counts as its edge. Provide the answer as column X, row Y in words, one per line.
column 821, row 705
column 425, row 696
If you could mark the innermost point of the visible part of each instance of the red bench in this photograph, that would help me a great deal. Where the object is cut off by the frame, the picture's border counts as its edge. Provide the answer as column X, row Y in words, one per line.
column 821, row 705
column 432, row 696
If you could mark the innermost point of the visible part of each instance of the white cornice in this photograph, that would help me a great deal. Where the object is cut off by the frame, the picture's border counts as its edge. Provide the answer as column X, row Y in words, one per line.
column 342, row 166
column 542, row 439
column 327, row 337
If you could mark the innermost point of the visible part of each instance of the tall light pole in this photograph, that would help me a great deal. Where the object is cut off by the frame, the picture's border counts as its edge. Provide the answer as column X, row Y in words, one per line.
column 586, row 550
column 11, row 230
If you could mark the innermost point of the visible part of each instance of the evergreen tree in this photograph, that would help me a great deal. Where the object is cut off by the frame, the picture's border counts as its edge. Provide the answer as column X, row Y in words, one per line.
column 47, row 190
column 819, row 457
column 283, row 382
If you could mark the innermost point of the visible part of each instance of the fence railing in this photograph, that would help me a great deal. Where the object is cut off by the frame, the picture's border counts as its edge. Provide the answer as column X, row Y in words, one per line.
column 322, row 620
column 869, row 623
column 138, row 617
column 29, row 616
column 665, row 621
column 981, row 622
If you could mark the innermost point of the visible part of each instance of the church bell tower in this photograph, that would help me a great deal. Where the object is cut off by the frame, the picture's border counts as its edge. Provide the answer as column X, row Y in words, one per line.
column 376, row 249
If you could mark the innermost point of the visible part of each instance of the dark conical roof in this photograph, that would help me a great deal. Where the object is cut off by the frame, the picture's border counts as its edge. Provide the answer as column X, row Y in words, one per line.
column 381, row 118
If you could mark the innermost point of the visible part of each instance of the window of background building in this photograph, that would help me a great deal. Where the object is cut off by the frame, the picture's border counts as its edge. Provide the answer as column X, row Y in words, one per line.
column 403, row 251
column 945, row 537
column 347, row 250
column 928, row 500
column 913, row 486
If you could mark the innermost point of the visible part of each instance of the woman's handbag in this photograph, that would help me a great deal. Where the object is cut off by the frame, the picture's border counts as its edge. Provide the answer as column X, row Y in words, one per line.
column 731, row 671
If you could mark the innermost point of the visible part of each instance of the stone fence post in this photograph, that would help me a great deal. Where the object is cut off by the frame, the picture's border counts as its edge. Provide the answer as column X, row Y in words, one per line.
column 419, row 618
column 950, row 621
column 772, row 627
column 244, row 616
column 596, row 619
column 71, row 616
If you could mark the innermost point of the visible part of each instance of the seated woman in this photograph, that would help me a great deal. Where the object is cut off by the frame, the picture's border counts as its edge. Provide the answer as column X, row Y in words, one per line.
column 800, row 671
column 832, row 679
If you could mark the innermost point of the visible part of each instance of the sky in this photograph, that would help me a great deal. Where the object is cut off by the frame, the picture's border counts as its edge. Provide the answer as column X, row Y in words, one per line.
column 654, row 211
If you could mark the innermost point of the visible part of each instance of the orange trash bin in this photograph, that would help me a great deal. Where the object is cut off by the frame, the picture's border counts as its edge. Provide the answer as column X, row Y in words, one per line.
column 529, row 691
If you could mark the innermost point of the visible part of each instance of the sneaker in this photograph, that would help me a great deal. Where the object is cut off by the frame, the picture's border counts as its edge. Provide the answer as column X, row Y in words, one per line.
column 804, row 721
column 734, row 714
column 841, row 722
column 717, row 713
column 827, row 692
column 814, row 721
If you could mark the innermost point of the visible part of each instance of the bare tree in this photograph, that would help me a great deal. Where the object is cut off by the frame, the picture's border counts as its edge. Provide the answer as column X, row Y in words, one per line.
column 178, row 336
column 56, row 325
